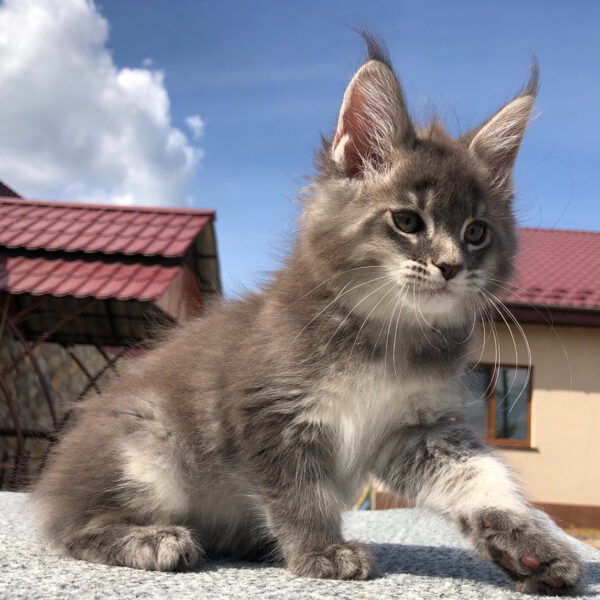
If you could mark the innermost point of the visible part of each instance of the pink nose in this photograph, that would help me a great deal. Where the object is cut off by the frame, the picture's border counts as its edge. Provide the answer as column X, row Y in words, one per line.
column 448, row 271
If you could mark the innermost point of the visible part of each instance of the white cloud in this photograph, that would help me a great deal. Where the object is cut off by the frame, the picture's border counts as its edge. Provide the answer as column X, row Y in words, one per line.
column 148, row 62
column 196, row 125
column 72, row 125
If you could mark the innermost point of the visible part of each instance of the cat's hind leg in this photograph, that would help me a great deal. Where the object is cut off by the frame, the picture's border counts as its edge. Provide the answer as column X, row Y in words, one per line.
column 150, row 547
column 115, row 489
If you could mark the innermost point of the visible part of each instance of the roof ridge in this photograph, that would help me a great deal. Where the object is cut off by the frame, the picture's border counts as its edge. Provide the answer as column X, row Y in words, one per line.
column 108, row 207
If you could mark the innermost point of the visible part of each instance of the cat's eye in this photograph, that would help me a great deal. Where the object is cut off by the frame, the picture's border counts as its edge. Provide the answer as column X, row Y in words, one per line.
column 476, row 233
column 408, row 221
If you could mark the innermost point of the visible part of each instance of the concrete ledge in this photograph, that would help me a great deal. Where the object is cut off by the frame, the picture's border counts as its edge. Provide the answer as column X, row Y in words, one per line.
column 420, row 556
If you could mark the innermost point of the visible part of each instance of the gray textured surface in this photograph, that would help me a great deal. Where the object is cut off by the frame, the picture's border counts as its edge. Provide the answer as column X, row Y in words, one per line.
column 419, row 556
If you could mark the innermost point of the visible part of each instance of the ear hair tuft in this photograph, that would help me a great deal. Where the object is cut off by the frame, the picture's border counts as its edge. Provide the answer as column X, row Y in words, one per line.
column 497, row 141
column 376, row 47
column 373, row 120
column 532, row 87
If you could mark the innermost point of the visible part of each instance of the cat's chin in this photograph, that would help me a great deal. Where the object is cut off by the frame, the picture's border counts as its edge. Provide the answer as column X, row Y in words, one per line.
column 440, row 304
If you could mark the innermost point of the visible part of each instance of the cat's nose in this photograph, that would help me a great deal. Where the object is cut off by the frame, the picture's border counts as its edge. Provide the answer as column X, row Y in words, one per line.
column 449, row 270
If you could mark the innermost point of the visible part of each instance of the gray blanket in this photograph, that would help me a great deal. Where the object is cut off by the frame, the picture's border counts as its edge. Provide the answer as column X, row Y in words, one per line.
column 419, row 556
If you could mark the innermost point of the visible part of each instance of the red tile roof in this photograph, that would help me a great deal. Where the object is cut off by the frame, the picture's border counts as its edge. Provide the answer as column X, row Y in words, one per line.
column 92, row 228
column 80, row 250
column 557, row 268
column 84, row 278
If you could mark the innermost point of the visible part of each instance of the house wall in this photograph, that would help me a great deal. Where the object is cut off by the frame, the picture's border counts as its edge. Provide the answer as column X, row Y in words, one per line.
column 560, row 471
column 563, row 465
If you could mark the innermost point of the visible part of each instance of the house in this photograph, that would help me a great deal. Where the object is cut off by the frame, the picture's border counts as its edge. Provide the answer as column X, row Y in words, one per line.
column 534, row 388
column 81, row 286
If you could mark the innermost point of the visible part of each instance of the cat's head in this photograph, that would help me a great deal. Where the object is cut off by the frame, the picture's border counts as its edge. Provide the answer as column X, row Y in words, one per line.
column 404, row 219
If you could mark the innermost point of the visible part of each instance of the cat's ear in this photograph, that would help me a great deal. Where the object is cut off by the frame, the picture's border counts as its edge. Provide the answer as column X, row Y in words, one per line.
column 497, row 141
column 373, row 121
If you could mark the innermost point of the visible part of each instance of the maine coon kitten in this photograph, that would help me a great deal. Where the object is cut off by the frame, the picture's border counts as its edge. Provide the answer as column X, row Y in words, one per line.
column 247, row 431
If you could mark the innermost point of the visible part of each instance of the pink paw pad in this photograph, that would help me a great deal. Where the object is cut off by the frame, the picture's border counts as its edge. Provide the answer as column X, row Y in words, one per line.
column 530, row 561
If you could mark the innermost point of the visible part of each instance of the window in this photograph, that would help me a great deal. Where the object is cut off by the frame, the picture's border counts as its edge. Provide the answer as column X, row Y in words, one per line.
column 498, row 403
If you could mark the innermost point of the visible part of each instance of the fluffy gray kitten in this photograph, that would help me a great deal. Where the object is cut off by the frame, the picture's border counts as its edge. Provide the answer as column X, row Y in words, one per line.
column 247, row 431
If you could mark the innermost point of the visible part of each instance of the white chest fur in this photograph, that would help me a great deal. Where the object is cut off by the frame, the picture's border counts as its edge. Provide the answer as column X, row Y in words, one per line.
column 363, row 406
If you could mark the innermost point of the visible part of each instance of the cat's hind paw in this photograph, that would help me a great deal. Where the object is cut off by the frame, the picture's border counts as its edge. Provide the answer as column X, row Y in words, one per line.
column 157, row 548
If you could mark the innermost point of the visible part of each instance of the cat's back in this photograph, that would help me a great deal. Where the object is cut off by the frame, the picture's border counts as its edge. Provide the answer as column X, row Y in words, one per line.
column 193, row 356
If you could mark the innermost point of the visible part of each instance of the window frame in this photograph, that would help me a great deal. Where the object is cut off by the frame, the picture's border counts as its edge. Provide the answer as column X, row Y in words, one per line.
column 490, row 400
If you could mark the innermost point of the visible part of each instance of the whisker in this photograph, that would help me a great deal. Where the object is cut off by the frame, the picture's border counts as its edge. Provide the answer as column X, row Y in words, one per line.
column 352, row 309
column 491, row 298
column 387, row 337
column 328, row 280
column 376, row 344
column 510, row 287
column 342, row 293
column 396, row 333
column 369, row 315
column 428, row 323
column 416, row 312
column 500, row 305
column 476, row 311
column 494, row 332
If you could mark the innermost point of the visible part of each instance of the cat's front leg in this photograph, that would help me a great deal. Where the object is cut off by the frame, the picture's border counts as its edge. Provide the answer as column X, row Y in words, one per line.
column 444, row 467
column 291, row 463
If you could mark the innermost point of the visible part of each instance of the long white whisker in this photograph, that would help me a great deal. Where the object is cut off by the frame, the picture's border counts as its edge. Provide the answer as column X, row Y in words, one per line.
column 510, row 287
column 494, row 331
column 417, row 311
column 387, row 336
column 375, row 345
column 343, row 292
column 477, row 309
column 396, row 332
column 369, row 315
column 329, row 279
column 353, row 308
column 428, row 323
column 498, row 308
column 529, row 363
column 473, row 306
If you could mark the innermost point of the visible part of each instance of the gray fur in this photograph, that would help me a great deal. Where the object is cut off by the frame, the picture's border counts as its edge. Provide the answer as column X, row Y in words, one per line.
column 247, row 431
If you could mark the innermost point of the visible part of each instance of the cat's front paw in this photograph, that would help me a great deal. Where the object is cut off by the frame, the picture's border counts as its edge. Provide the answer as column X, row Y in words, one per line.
column 528, row 551
column 346, row 560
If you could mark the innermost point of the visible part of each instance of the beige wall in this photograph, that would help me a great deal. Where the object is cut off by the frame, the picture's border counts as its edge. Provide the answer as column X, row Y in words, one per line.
column 564, row 467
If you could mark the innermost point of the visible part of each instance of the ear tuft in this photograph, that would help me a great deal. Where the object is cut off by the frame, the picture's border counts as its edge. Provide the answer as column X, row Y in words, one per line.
column 532, row 87
column 373, row 121
column 376, row 48
column 498, row 140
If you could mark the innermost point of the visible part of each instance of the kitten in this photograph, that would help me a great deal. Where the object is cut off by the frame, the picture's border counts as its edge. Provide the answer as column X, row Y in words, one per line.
column 247, row 431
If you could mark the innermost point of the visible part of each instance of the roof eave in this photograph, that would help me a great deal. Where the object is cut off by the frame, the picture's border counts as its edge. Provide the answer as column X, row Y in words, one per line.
column 547, row 314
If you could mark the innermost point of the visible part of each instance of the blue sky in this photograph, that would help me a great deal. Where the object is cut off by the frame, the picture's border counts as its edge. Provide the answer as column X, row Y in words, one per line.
column 268, row 77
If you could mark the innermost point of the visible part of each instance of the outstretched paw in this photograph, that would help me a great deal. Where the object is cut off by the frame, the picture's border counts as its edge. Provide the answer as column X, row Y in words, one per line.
column 347, row 560
column 528, row 551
